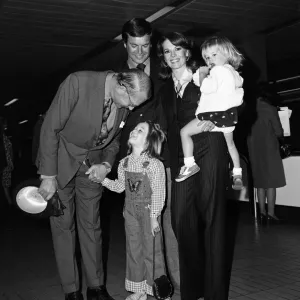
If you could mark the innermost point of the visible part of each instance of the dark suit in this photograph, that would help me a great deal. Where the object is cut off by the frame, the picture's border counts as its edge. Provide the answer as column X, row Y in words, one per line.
column 68, row 136
column 198, row 203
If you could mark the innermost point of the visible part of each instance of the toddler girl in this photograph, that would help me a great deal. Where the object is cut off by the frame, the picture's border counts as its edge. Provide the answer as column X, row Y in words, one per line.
column 221, row 91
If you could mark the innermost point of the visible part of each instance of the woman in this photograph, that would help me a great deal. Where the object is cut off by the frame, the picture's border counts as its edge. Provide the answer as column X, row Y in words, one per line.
column 6, row 162
column 263, row 145
column 198, row 203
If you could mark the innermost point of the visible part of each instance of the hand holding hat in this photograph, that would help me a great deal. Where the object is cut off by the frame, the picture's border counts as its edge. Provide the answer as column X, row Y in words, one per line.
column 32, row 200
column 48, row 187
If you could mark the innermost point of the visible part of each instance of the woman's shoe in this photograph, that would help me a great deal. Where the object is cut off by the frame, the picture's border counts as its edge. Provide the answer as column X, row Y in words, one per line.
column 273, row 219
column 263, row 218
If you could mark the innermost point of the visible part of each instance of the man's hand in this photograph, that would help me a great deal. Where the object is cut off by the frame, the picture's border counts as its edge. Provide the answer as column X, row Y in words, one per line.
column 47, row 188
column 155, row 228
column 206, row 126
column 97, row 173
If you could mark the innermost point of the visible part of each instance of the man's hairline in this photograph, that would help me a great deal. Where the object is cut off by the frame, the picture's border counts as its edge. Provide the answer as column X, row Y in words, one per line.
column 129, row 35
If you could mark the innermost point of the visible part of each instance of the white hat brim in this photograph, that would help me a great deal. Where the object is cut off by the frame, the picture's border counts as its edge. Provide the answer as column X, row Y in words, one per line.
column 30, row 201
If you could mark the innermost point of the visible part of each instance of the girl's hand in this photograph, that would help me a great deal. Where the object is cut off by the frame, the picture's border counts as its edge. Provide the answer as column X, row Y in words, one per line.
column 203, row 71
column 155, row 228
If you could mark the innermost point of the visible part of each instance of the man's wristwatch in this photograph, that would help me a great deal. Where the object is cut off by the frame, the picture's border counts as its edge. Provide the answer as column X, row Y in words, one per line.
column 107, row 166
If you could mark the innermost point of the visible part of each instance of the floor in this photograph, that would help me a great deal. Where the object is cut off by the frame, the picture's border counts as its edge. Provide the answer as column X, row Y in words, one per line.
column 266, row 262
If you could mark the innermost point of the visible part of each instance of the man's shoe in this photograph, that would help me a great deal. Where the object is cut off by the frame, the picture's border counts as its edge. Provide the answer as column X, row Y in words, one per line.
column 98, row 293
column 74, row 296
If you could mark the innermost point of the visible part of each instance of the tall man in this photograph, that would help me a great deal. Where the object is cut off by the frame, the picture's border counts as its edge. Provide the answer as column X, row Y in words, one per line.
column 78, row 144
column 137, row 34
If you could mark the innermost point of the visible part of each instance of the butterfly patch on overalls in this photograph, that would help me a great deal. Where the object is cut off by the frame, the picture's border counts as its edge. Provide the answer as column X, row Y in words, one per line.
column 134, row 186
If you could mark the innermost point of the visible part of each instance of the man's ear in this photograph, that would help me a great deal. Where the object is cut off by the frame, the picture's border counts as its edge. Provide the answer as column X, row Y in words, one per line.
column 125, row 45
column 122, row 88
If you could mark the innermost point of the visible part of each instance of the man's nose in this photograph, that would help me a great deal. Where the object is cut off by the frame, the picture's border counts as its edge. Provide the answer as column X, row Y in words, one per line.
column 140, row 50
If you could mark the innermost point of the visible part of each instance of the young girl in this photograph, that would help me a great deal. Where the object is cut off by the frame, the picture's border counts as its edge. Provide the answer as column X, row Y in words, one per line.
column 221, row 90
column 142, row 175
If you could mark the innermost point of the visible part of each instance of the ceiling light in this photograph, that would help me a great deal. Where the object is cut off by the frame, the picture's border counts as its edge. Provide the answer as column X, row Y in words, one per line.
column 161, row 13
column 11, row 102
column 24, row 121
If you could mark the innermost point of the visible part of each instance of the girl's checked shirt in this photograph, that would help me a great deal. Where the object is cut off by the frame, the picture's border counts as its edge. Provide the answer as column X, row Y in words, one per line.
column 156, row 174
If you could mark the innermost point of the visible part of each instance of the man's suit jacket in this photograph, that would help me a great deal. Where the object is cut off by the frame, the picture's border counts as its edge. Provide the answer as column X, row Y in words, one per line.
column 72, row 126
column 144, row 112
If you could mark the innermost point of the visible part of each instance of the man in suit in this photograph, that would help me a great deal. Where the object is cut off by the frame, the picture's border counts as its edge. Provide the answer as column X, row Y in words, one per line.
column 137, row 39
column 78, row 144
column 136, row 35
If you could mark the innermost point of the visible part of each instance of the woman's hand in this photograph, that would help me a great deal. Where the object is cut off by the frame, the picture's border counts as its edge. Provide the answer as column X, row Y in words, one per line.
column 155, row 228
column 206, row 126
column 97, row 173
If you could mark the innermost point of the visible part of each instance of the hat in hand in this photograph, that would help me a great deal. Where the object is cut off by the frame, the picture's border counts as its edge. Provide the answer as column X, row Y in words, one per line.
column 30, row 201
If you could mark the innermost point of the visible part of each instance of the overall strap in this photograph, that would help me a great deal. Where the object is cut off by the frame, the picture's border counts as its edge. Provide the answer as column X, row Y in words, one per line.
column 125, row 163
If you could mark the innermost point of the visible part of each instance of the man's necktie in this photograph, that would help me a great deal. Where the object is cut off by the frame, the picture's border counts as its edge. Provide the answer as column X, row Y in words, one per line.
column 104, row 130
column 141, row 67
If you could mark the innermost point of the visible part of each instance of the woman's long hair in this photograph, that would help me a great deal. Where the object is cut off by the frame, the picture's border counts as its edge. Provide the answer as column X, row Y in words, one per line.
column 177, row 39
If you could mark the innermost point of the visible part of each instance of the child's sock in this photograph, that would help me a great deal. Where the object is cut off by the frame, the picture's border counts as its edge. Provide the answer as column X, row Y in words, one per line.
column 189, row 161
column 237, row 171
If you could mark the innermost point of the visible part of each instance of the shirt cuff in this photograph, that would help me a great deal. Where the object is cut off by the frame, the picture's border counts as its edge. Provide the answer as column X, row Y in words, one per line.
column 47, row 177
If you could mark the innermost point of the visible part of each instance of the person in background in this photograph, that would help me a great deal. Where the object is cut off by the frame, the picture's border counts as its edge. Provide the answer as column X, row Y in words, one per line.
column 142, row 175
column 78, row 144
column 6, row 159
column 137, row 38
column 263, row 146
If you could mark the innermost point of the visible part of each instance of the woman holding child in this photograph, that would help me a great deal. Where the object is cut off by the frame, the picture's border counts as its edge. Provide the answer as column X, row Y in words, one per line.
column 198, row 203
